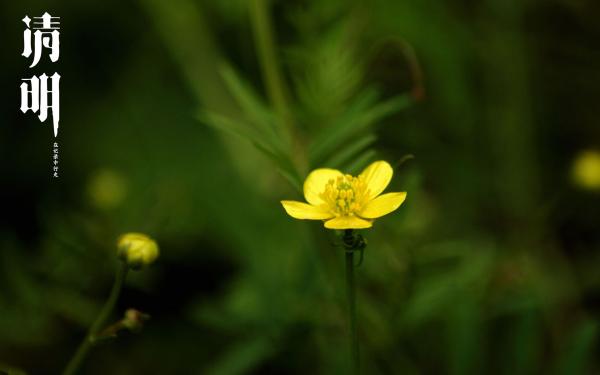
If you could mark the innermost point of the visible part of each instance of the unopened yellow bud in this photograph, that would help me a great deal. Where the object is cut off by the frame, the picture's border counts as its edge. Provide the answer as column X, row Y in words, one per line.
column 137, row 249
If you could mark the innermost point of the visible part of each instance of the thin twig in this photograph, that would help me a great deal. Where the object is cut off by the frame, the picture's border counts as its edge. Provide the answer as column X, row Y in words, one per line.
column 90, row 338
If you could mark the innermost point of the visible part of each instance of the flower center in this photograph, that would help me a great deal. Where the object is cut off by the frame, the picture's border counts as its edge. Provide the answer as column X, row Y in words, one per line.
column 345, row 195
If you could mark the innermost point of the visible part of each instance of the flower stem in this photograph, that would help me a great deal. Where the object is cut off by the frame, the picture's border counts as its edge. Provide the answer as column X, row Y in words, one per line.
column 90, row 338
column 351, row 289
column 265, row 42
column 277, row 90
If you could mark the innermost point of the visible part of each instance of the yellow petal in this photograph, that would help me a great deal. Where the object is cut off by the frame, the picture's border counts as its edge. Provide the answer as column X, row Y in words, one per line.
column 347, row 222
column 383, row 205
column 299, row 210
column 315, row 184
column 377, row 176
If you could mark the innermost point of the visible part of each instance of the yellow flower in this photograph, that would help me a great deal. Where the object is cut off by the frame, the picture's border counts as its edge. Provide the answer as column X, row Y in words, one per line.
column 586, row 170
column 344, row 201
column 137, row 249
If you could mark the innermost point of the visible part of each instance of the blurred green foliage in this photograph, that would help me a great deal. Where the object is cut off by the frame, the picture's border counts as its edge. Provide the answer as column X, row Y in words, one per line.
column 190, row 120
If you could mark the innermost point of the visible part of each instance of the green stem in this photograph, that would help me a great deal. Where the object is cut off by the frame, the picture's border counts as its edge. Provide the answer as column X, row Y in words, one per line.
column 90, row 338
column 351, row 289
column 262, row 29
column 263, row 35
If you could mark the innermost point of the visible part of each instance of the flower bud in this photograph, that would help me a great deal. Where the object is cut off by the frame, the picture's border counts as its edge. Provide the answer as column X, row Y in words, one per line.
column 137, row 249
column 134, row 320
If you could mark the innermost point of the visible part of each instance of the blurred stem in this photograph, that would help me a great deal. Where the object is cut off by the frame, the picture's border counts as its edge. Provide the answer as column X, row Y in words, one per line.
column 265, row 42
column 351, row 290
column 108, row 307
column 263, row 35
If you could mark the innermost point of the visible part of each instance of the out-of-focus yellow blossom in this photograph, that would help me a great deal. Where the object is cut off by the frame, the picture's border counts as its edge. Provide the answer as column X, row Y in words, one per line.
column 343, row 201
column 586, row 170
column 137, row 249
column 107, row 189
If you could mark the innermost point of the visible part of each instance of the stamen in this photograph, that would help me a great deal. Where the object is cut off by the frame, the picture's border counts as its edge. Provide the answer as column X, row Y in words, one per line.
column 346, row 195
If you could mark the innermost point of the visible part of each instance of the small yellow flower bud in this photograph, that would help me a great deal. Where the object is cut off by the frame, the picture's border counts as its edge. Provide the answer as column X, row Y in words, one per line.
column 137, row 249
column 586, row 170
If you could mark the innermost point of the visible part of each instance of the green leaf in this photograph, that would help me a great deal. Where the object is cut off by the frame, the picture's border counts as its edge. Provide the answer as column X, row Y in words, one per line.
column 350, row 126
column 231, row 126
column 258, row 114
column 524, row 347
column 284, row 166
column 361, row 162
column 349, row 152
column 576, row 356
column 361, row 104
